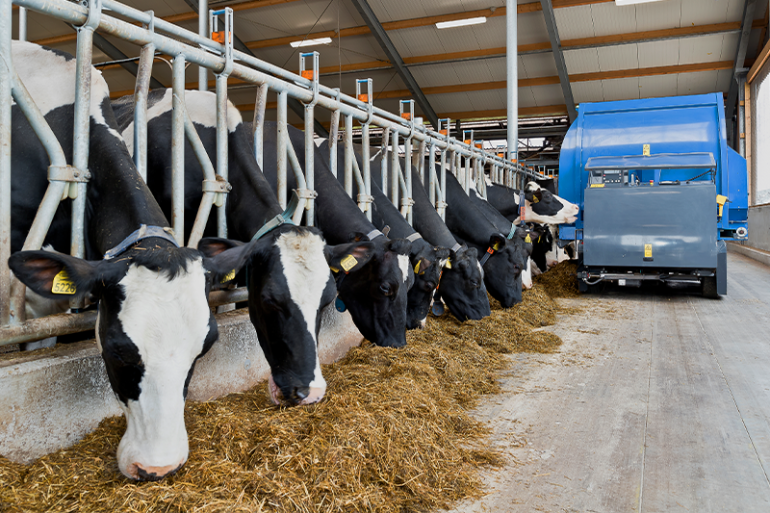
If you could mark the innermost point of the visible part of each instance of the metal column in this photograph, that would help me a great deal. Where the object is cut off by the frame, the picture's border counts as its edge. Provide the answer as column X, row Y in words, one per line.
column 22, row 24
column 512, row 77
column 741, row 79
column 177, row 148
column 203, row 17
column 6, row 21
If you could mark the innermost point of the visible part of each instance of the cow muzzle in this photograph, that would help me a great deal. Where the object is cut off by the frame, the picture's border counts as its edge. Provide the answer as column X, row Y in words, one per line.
column 301, row 396
column 141, row 473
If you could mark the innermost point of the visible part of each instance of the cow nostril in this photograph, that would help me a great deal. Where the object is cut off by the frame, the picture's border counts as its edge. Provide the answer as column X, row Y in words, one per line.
column 154, row 473
column 301, row 393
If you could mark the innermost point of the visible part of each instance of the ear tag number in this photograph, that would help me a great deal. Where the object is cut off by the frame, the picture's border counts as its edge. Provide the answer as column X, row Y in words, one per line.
column 528, row 239
column 348, row 263
column 62, row 284
column 417, row 267
column 229, row 276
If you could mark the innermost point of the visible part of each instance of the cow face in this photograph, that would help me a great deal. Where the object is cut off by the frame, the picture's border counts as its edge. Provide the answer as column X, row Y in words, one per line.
column 154, row 322
column 289, row 283
column 426, row 262
column 376, row 293
column 544, row 207
column 462, row 285
column 502, row 272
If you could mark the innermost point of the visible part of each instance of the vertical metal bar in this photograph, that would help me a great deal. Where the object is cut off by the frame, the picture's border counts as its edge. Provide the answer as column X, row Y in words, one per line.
column 367, row 170
column 443, row 185
column 741, row 78
column 82, row 127
column 177, row 148
column 283, row 133
column 408, row 174
column 432, row 174
column 6, row 19
column 394, row 168
column 222, row 136
column 384, row 159
column 203, row 18
column 468, row 163
column 349, row 155
column 333, row 136
column 309, row 162
column 22, row 24
column 512, row 77
column 421, row 161
column 141, row 90
column 259, row 124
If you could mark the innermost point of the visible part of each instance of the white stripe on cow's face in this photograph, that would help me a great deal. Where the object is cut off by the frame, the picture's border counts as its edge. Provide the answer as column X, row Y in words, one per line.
column 201, row 107
column 306, row 273
column 526, row 275
column 167, row 320
column 49, row 79
column 403, row 264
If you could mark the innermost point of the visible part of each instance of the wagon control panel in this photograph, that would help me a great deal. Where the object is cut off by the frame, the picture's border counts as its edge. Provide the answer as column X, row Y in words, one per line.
column 608, row 177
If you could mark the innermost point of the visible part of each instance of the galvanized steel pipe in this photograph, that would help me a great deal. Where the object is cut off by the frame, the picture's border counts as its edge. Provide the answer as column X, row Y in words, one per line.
column 282, row 136
column 177, row 147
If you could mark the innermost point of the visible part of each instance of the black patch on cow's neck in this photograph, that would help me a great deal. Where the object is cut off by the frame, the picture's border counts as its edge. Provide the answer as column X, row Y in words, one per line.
column 60, row 53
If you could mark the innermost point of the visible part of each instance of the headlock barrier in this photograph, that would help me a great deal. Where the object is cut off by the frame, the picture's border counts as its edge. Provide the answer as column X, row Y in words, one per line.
column 464, row 159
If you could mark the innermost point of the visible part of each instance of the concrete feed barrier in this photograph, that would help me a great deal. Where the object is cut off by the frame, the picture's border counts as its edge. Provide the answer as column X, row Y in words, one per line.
column 52, row 399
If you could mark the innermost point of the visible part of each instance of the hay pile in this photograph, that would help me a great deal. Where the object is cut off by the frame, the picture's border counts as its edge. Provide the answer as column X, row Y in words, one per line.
column 560, row 280
column 392, row 435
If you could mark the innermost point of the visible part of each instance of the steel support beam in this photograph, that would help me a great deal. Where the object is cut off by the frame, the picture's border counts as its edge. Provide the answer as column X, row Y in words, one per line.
column 512, row 79
column 558, row 56
column 740, row 56
column 111, row 51
column 379, row 33
column 293, row 104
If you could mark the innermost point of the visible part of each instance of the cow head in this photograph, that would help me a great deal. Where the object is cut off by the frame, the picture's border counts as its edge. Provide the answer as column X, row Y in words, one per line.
column 375, row 293
column 154, row 322
column 544, row 207
column 426, row 261
column 462, row 285
column 502, row 271
column 289, row 284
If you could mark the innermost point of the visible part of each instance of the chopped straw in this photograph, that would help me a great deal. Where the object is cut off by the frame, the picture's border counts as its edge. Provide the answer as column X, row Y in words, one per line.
column 560, row 280
column 392, row 435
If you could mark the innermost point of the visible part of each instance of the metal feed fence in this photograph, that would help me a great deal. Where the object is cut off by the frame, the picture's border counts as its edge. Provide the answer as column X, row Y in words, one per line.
column 462, row 158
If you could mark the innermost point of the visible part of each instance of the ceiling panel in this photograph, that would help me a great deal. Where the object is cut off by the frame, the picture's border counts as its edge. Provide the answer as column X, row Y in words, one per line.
column 613, row 58
column 724, row 77
column 620, row 89
column 658, row 53
column 703, row 12
column 697, row 83
column 537, row 65
column 548, row 95
column 587, row 92
column 662, row 85
column 585, row 60
column 526, row 97
column 657, row 15
column 701, row 49
column 574, row 22
column 609, row 19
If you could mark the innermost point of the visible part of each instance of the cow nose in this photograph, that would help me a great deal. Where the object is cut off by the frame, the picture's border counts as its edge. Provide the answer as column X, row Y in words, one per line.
column 150, row 473
column 301, row 393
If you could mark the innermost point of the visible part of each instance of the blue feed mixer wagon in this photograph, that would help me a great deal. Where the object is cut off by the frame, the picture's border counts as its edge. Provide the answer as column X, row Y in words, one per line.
column 659, row 191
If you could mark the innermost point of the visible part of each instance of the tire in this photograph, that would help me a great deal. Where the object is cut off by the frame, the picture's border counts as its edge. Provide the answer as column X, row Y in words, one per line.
column 709, row 287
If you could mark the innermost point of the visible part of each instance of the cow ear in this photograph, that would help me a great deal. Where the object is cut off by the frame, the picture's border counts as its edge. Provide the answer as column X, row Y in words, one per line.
column 349, row 257
column 223, row 258
column 357, row 237
column 534, row 197
column 442, row 253
column 55, row 275
column 497, row 241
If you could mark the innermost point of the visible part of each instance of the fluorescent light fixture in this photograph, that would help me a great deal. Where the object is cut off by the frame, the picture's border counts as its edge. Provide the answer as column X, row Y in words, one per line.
column 461, row 23
column 632, row 2
column 311, row 42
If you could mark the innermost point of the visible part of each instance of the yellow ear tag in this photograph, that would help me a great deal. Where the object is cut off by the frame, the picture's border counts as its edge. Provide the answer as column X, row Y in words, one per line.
column 62, row 284
column 448, row 264
column 535, row 200
column 348, row 263
column 334, row 269
column 528, row 239
column 229, row 276
column 496, row 247
column 417, row 267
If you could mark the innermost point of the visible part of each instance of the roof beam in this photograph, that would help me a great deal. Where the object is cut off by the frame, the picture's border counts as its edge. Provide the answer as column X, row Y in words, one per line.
column 292, row 103
column 740, row 57
column 366, row 12
column 558, row 57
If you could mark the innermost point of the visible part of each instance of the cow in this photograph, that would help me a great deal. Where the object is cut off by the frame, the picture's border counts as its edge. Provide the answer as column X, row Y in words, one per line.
column 289, row 280
column 426, row 259
column 541, row 205
column 546, row 252
column 376, row 296
column 461, row 285
column 154, row 320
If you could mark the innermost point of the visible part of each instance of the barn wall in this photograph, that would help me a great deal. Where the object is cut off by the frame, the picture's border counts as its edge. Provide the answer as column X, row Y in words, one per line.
column 50, row 399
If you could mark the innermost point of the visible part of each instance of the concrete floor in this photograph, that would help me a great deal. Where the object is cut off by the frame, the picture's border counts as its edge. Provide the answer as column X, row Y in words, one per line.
column 658, row 402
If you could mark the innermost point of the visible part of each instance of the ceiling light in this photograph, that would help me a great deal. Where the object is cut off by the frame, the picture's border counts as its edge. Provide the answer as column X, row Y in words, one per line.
column 632, row 2
column 461, row 23
column 311, row 42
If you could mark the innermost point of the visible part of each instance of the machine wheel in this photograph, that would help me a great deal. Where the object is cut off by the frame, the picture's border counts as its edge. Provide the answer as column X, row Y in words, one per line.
column 709, row 287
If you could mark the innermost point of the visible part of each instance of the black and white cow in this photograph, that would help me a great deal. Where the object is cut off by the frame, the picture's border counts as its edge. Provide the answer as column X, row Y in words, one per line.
column 288, row 274
column 376, row 295
column 427, row 260
column 154, row 320
column 461, row 285
column 541, row 205
column 546, row 253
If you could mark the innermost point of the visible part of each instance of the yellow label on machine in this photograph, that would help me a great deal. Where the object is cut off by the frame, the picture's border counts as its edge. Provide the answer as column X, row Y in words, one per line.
column 229, row 276
column 597, row 185
column 648, row 251
column 62, row 284
column 348, row 263
column 646, row 150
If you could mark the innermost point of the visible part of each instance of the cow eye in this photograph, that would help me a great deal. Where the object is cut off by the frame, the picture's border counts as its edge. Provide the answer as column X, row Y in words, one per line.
column 475, row 284
column 386, row 289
